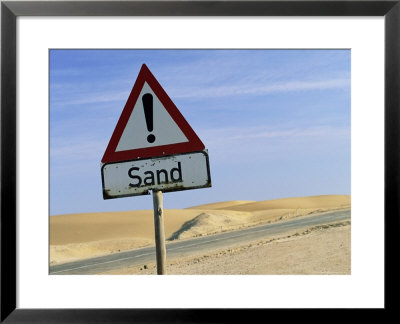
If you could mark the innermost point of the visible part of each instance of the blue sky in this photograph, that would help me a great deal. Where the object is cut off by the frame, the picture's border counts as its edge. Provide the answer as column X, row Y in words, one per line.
column 276, row 123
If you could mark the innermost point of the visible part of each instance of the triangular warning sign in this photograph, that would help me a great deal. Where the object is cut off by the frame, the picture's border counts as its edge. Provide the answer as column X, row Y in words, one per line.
column 150, row 125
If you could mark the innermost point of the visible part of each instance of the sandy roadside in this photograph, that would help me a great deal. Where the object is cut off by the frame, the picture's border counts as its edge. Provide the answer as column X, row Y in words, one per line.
column 324, row 249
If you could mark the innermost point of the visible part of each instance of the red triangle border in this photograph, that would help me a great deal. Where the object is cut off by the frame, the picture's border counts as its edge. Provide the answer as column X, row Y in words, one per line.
column 194, row 143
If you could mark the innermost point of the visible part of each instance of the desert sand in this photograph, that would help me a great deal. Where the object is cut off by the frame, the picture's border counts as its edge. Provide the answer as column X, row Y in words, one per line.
column 80, row 236
column 317, row 250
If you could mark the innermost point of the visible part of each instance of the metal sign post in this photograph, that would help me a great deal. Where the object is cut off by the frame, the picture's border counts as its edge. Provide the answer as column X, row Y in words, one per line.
column 159, row 231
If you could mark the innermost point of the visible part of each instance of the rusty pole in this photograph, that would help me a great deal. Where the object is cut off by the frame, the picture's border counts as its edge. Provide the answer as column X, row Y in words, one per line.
column 159, row 231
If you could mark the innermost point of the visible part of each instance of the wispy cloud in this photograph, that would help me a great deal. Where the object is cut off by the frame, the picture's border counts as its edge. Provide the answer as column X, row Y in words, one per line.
column 257, row 89
column 213, row 92
column 76, row 150
column 238, row 146
column 224, row 135
column 91, row 98
column 215, row 75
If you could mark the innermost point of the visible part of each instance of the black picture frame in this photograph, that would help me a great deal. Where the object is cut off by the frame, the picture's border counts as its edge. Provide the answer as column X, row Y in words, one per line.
column 10, row 10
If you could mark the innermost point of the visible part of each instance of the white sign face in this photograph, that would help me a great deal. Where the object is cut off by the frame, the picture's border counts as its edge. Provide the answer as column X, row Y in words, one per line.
column 169, row 173
column 163, row 128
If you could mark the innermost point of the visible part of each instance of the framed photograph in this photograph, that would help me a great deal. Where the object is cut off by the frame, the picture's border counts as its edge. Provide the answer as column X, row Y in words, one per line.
column 292, row 104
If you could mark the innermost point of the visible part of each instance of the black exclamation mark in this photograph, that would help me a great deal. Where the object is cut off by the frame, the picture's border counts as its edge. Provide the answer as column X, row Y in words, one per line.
column 148, row 114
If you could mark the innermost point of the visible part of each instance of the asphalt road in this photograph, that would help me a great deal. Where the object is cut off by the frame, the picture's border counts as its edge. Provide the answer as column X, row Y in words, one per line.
column 194, row 246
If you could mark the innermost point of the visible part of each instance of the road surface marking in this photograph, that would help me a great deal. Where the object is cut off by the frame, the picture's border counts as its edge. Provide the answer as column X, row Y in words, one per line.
column 100, row 263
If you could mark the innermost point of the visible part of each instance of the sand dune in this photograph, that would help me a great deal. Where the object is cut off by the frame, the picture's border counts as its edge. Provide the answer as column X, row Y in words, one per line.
column 78, row 236
column 222, row 205
column 313, row 202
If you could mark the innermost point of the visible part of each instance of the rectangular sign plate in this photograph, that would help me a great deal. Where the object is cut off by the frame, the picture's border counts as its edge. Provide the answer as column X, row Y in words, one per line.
column 167, row 173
